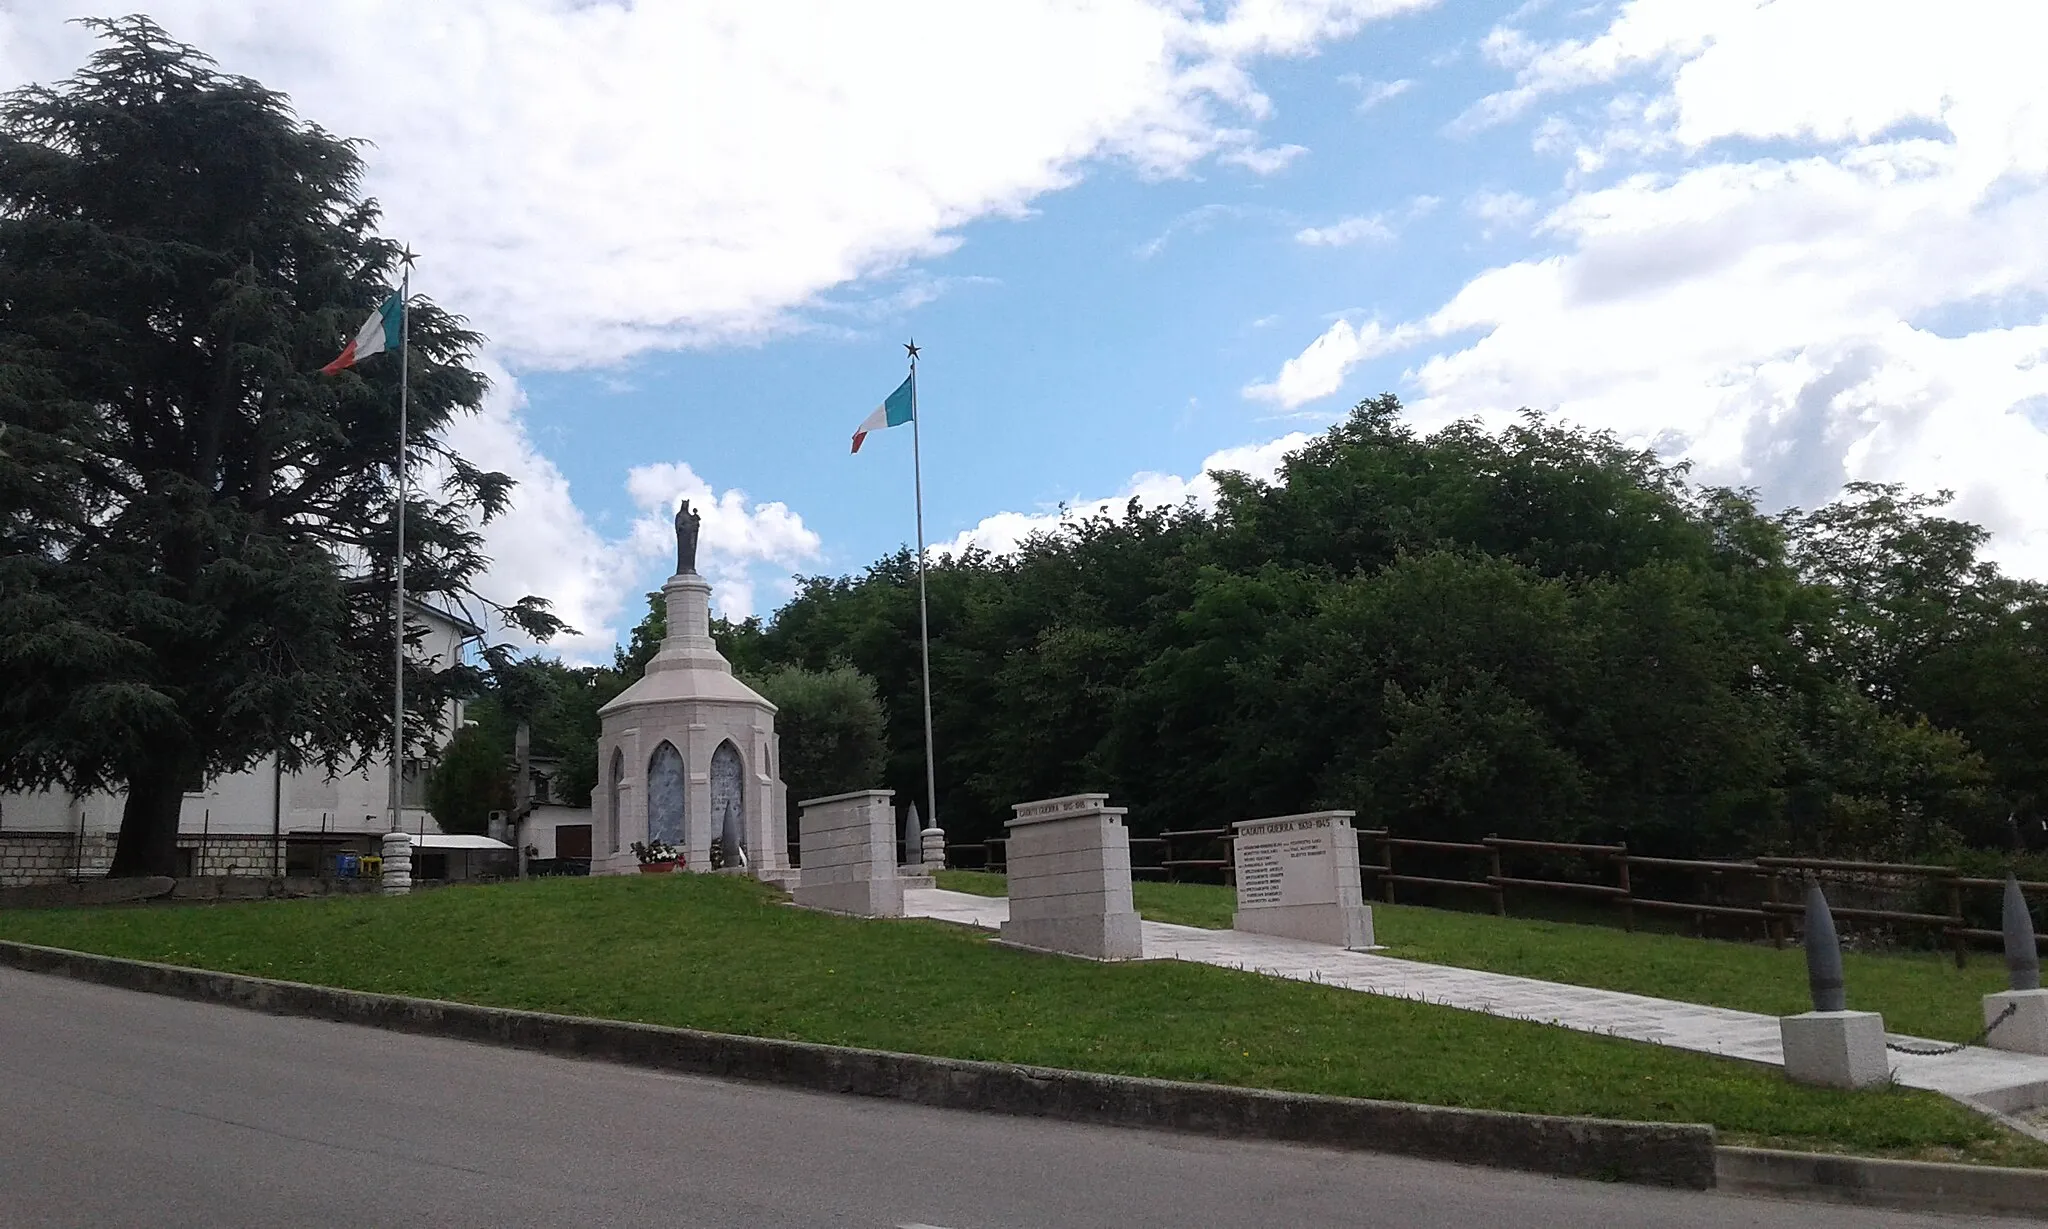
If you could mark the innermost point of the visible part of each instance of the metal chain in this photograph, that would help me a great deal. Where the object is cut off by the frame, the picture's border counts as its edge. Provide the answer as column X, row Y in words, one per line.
column 1938, row 1051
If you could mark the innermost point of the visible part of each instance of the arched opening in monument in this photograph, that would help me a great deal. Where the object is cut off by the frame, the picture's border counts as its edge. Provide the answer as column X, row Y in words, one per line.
column 729, row 803
column 665, row 786
column 618, row 782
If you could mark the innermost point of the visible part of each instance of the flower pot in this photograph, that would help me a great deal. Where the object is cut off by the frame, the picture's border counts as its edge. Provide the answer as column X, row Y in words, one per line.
column 656, row 868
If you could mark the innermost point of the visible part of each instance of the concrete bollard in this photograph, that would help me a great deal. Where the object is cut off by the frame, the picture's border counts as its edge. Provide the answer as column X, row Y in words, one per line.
column 1831, row 1045
column 397, row 864
column 2018, row 1018
column 1823, row 954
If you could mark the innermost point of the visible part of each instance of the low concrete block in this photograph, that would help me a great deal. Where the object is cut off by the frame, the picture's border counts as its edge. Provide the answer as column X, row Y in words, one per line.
column 1926, row 1186
column 2026, row 1030
column 1838, row 1049
column 87, row 892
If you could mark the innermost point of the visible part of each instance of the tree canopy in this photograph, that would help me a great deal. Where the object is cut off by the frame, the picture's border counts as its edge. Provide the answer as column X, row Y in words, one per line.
column 197, row 526
column 1534, row 632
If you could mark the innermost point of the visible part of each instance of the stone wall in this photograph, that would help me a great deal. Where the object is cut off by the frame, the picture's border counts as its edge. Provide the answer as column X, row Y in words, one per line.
column 233, row 855
column 52, row 857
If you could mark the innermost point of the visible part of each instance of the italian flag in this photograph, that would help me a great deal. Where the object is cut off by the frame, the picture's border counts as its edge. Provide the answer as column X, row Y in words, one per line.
column 894, row 412
column 378, row 334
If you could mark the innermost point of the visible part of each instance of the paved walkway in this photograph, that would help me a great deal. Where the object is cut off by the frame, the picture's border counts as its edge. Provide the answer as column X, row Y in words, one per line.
column 1993, row 1078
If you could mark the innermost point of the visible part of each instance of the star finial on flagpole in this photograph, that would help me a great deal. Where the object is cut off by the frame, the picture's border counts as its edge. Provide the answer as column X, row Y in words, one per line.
column 406, row 256
column 911, row 346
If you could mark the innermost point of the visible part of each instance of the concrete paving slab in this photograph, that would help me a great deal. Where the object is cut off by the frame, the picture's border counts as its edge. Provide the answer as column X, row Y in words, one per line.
column 2005, row 1082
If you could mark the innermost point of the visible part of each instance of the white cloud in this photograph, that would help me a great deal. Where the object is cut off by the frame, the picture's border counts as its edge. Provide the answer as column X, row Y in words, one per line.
column 1355, row 229
column 591, row 179
column 1194, row 222
column 1499, row 208
column 1868, row 300
column 1318, row 371
column 1002, row 532
column 1373, row 93
column 544, row 545
column 736, row 535
column 1264, row 161
column 588, row 180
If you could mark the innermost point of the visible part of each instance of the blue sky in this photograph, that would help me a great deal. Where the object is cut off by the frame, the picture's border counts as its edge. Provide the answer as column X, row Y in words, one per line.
column 1108, row 332
column 1794, row 242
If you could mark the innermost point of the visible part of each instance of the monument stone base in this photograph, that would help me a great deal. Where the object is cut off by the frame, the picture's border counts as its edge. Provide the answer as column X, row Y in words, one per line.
column 1337, row 925
column 2026, row 1030
column 1097, row 936
column 1838, row 1049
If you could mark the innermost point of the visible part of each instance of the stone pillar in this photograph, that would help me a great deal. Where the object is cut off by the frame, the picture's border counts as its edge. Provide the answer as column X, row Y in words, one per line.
column 849, row 854
column 397, row 863
column 1070, row 879
column 934, row 842
column 1297, row 877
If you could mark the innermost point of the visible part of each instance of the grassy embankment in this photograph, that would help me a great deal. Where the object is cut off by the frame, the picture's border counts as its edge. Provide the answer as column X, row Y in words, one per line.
column 1921, row 994
column 723, row 954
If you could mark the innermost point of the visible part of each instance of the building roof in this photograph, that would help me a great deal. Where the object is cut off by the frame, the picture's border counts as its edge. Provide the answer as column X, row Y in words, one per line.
column 453, row 620
column 456, row 840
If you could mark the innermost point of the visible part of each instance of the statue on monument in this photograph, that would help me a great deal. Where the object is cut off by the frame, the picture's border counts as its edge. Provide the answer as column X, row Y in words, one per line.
column 686, row 539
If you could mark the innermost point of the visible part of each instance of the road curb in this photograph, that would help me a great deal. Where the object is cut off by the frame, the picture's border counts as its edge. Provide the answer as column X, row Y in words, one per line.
column 1654, row 1154
column 1915, row 1186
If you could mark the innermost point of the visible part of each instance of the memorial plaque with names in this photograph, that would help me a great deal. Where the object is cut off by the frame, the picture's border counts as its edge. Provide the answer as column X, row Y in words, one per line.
column 1286, row 862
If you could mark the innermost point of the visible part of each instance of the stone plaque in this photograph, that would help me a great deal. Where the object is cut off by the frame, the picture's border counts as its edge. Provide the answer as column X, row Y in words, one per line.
column 1298, row 877
column 1059, row 808
column 1286, row 862
column 665, row 794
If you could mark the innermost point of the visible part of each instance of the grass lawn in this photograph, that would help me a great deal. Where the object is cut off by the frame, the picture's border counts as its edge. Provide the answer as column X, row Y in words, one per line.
column 1921, row 994
column 725, row 954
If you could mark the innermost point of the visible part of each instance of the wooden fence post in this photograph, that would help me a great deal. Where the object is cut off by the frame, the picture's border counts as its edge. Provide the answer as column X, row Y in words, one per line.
column 1628, row 908
column 1955, row 910
column 1500, row 891
column 1775, row 924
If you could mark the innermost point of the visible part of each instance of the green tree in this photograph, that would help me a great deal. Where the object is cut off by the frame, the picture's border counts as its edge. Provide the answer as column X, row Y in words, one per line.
column 831, row 727
column 198, row 571
column 469, row 781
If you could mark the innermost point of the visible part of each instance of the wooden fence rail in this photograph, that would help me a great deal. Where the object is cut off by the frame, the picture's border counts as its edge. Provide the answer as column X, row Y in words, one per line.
column 1174, row 855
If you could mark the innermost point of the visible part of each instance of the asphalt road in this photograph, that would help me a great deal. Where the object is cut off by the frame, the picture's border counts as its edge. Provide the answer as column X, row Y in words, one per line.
column 119, row 1108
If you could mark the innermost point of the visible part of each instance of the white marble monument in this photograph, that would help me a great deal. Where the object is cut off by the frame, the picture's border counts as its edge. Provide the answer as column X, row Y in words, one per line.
column 849, row 854
column 1297, row 877
column 688, row 753
column 1070, row 879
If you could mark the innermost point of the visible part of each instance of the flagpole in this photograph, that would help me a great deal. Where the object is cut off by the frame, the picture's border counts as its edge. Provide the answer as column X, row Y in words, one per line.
column 398, row 596
column 924, row 625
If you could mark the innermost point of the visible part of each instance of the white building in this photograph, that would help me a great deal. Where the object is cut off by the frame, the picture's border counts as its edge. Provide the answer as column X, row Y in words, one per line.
column 262, row 821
